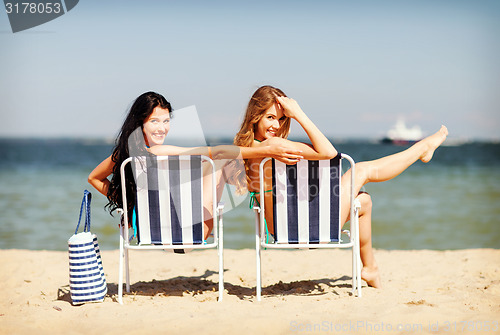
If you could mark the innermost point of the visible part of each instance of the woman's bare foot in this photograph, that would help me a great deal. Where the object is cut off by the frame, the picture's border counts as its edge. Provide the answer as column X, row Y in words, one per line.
column 371, row 277
column 432, row 143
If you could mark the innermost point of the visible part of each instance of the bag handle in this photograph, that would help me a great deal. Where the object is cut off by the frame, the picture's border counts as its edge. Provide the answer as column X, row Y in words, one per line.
column 87, row 197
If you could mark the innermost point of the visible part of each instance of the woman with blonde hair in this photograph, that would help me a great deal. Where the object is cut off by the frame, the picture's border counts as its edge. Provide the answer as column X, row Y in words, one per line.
column 267, row 123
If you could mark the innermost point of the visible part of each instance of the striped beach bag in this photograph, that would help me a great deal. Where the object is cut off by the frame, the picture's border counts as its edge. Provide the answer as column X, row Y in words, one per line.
column 86, row 274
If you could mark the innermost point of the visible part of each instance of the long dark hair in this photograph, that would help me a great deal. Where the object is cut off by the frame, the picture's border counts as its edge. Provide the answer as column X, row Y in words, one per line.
column 141, row 109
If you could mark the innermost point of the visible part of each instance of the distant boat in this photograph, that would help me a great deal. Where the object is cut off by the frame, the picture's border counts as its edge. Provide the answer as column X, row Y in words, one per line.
column 400, row 134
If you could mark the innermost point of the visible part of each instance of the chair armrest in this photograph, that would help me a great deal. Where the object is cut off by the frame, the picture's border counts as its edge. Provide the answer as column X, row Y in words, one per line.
column 121, row 213
column 357, row 204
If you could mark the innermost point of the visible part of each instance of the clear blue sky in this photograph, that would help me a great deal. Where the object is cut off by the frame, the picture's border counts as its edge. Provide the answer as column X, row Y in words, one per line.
column 354, row 66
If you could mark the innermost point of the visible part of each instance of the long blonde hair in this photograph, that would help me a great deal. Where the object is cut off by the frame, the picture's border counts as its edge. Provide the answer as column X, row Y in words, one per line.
column 263, row 98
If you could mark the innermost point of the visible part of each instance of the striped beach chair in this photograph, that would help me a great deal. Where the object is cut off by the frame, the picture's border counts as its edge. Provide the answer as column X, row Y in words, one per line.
column 169, row 212
column 306, row 210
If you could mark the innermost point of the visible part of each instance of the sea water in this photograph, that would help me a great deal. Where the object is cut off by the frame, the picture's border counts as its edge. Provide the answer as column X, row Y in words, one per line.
column 453, row 202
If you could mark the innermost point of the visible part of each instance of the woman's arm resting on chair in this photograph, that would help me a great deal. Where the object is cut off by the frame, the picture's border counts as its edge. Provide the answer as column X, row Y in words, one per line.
column 166, row 150
column 99, row 176
column 283, row 152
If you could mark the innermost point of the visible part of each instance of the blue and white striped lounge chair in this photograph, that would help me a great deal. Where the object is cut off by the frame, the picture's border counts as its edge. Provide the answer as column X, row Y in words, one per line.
column 169, row 211
column 306, row 210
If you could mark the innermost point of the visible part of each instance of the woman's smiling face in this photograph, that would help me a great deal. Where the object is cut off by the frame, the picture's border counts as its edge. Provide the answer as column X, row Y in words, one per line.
column 270, row 123
column 156, row 126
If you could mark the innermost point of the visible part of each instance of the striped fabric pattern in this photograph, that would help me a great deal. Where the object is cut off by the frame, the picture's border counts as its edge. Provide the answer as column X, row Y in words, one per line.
column 86, row 274
column 169, row 200
column 306, row 202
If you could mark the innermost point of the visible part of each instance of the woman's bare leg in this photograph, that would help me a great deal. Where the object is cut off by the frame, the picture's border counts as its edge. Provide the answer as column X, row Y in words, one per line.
column 388, row 167
column 369, row 273
column 379, row 170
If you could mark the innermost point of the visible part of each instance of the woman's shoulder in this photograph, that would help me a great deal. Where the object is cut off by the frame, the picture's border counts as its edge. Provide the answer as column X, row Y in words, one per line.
column 274, row 141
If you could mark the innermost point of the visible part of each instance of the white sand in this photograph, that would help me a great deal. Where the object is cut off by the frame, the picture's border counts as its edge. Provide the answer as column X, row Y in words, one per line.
column 305, row 292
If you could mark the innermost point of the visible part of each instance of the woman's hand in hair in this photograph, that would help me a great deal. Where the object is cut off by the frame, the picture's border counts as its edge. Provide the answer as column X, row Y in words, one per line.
column 290, row 107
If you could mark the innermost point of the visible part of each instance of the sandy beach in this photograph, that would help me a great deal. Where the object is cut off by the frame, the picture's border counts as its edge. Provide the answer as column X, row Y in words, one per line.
column 305, row 292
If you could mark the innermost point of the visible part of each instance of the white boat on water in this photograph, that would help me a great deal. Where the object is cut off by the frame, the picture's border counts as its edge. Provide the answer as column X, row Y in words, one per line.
column 402, row 135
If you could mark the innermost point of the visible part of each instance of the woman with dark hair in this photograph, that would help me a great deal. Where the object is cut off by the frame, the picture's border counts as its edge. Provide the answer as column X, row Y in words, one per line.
column 143, row 132
column 149, row 110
